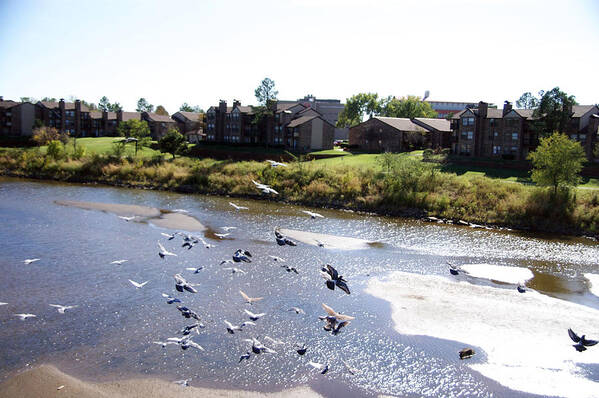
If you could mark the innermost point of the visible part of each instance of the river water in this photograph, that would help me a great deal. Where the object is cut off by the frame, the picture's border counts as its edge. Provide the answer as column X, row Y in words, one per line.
column 110, row 334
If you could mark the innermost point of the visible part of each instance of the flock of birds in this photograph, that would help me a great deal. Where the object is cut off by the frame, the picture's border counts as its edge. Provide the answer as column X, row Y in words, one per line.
column 334, row 321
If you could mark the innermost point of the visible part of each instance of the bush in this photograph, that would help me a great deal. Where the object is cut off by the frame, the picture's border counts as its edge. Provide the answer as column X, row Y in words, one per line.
column 79, row 152
column 55, row 150
column 118, row 149
column 43, row 136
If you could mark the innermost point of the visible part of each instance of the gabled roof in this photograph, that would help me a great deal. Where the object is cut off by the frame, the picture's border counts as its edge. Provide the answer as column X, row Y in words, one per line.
column 131, row 115
column 8, row 104
column 525, row 113
column 158, row 118
column 95, row 114
column 286, row 106
column 242, row 108
column 190, row 116
column 581, row 110
column 69, row 106
column 301, row 120
column 442, row 125
column 400, row 123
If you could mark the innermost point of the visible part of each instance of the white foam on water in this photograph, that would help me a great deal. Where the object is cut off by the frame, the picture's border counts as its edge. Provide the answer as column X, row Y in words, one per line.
column 523, row 334
column 594, row 285
column 499, row 273
column 327, row 241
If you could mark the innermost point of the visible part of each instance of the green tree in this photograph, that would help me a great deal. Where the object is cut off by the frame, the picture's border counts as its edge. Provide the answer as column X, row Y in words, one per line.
column 136, row 129
column 553, row 111
column 55, row 150
column 144, row 106
column 189, row 108
column 527, row 101
column 90, row 105
column 116, row 107
column 356, row 107
column 172, row 142
column 28, row 99
column 104, row 104
column 266, row 91
column 48, row 99
column 557, row 161
column 408, row 107
column 161, row 111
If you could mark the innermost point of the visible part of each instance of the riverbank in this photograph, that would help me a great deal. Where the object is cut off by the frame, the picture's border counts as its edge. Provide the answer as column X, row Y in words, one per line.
column 45, row 381
column 402, row 187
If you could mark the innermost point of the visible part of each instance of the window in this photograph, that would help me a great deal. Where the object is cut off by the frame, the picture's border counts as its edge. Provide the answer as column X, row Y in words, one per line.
column 582, row 137
column 496, row 150
column 467, row 121
column 470, row 135
column 495, row 134
column 514, row 136
column 514, row 149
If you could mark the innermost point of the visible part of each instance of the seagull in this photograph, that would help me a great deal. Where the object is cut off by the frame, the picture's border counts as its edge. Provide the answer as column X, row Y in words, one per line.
column 235, row 270
column 187, row 313
column 183, row 383
column 127, row 218
column 222, row 236
column 137, row 284
column 169, row 236
column 185, row 342
column 226, row 229
column 232, row 328
column 320, row 367
column 312, row 214
column 245, row 356
column 254, row 317
column 206, row 244
column 283, row 240
column 163, row 343
column 521, row 288
column 242, row 255
column 119, row 262
column 351, row 370
column 181, row 284
column 301, row 349
column 319, row 243
column 248, row 299
column 227, row 262
column 258, row 347
column 290, row 269
column 334, row 320
column 195, row 270
column 187, row 329
column 170, row 299
column 163, row 252
column 466, row 353
column 25, row 316
column 581, row 342
column 63, row 308
column 189, row 244
column 275, row 164
column 275, row 258
column 453, row 269
column 274, row 341
column 332, row 278
column 238, row 207
column 1, row 303
column 297, row 310
column 264, row 188
column 30, row 260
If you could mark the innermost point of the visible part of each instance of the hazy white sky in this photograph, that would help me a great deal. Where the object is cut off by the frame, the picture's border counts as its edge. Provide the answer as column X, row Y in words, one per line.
column 198, row 52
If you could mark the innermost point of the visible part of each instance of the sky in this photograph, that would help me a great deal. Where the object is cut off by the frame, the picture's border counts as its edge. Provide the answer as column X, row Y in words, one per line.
column 202, row 51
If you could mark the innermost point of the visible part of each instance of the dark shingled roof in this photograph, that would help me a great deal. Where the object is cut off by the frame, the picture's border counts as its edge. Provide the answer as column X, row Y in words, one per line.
column 131, row 115
column 581, row 110
column 159, row 118
column 191, row 116
column 286, row 106
column 8, row 104
column 400, row 123
column 301, row 120
column 442, row 125
column 69, row 106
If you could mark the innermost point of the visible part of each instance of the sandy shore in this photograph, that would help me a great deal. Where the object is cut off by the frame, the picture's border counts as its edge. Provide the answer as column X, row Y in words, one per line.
column 43, row 382
column 524, row 336
column 170, row 220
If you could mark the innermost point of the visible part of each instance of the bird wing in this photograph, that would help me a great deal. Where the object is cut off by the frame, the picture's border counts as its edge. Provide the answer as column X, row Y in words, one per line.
column 190, row 269
column 315, row 365
column 245, row 296
column 165, row 235
column 195, row 345
column 575, row 338
column 179, row 279
column 343, row 286
column 341, row 317
column 56, row 305
column 229, row 324
column 161, row 247
column 589, row 343
column 332, row 271
column 250, row 313
column 134, row 283
column 329, row 310
column 252, row 299
column 325, row 275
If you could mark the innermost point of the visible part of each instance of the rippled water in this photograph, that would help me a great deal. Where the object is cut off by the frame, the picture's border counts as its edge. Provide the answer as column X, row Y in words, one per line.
column 110, row 334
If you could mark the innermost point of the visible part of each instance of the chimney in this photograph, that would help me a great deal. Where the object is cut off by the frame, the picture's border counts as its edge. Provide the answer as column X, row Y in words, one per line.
column 78, row 105
column 61, row 105
column 236, row 103
column 507, row 107
column 222, row 106
column 483, row 109
column 62, row 115
column 1, row 98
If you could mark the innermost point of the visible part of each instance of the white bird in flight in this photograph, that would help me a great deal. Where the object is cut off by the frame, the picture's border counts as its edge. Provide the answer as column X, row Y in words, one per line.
column 237, row 207
column 163, row 252
column 62, row 308
column 25, row 316
column 226, row 229
column 264, row 188
column 137, row 284
column 320, row 367
column 312, row 214
column 248, row 299
column 1, row 303
column 276, row 164
column 254, row 317
column 222, row 236
column 235, row 270
column 275, row 258
column 30, row 260
column 127, row 218
column 169, row 236
column 118, row 262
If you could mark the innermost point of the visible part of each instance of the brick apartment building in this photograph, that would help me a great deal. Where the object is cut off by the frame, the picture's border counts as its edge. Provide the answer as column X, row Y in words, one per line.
column 190, row 124
column 510, row 133
column 16, row 118
column 328, row 108
column 236, row 124
column 392, row 134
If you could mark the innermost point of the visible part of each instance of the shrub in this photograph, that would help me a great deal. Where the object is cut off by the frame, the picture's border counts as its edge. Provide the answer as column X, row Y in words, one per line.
column 43, row 135
column 55, row 150
column 79, row 152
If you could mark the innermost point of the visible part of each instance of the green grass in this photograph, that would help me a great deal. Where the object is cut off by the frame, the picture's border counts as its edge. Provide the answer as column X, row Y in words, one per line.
column 103, row 145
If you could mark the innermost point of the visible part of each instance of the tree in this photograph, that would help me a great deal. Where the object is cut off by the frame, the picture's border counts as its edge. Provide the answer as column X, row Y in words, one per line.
column 48, row 99
column 408, row 107
column 554, row 111
column 266, row 91
column 28, row 99
column 116, row 107
column 104, row 104
column 189, row 108
column 557, row 161
column 527, row 101
column 172, row 142
column 161, row 111
column 144, row 106
column 136, row 129
column 356, row 107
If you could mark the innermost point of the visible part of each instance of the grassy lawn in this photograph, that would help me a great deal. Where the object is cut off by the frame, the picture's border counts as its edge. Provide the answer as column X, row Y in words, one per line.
column 335, row 151
column 102, row 145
